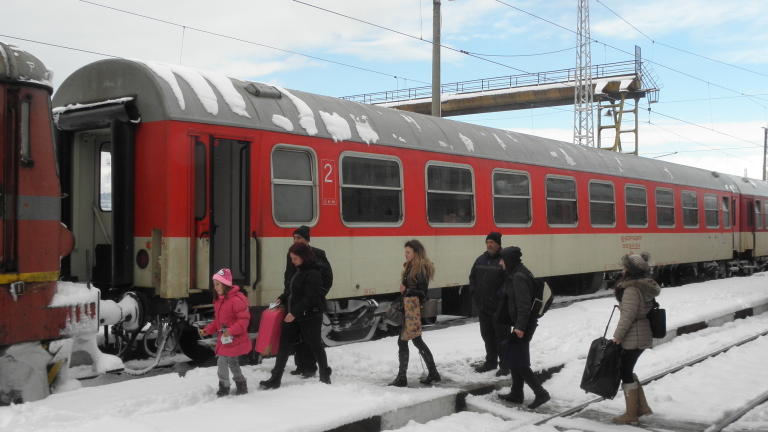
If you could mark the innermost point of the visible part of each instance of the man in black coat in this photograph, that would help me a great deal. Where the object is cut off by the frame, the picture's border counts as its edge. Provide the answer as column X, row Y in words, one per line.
column 485, row 284
column 519, row 290
column 306, row 365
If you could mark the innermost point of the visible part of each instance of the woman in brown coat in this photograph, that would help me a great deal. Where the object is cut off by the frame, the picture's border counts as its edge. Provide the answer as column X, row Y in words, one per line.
column 635, row 292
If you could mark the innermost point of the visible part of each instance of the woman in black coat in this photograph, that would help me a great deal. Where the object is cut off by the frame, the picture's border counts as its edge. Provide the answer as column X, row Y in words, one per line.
column 418, row 270
column 302, row 300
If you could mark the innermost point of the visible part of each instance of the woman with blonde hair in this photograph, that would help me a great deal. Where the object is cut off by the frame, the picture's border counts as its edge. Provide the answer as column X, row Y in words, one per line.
column 418, row 270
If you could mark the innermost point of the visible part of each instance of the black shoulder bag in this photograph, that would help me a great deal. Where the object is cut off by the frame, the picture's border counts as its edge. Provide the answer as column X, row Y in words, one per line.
column 658, row 319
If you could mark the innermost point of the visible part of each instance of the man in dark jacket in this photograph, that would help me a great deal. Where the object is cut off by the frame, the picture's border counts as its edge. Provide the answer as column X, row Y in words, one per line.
column 519, row 291
column 485, row 284
column 306, row 365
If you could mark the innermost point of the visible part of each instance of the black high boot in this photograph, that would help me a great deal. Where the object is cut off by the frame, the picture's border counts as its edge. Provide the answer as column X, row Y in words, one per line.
column 516, row 395
column 433, row 376
column 325, row 375
column 401, row 380
column 242, row 387
column 542, row 396
column 273, row 382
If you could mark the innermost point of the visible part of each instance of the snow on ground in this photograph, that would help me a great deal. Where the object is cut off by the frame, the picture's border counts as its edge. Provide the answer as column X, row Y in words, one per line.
column 360, row 373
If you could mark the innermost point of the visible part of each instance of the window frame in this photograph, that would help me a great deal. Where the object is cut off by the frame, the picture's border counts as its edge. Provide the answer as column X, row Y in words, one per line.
column 683, row 208
column 626, row 204
column 361, row 155
column 427, row 192
column 717, row 210
column 725, row 202
column 589, row 193
column 758, row 214
column 656, row 204
column 576, row 200
column 314, row 183
column 530, row 198
column 765, row 212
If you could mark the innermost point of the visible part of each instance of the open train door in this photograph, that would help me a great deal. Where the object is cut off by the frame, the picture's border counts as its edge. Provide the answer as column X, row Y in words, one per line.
column 230, row 204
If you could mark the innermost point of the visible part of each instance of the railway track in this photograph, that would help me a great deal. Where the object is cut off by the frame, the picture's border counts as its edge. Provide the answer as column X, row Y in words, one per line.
column 757, row 401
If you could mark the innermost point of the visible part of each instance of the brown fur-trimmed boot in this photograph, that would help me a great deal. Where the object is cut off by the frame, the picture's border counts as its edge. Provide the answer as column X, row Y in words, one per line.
column 642, row 403
column 630, row 399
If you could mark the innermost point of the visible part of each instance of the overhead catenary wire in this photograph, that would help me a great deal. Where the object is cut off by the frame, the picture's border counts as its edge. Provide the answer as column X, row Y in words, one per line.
column 244, row 41
column 697, row 142
column 59, row 46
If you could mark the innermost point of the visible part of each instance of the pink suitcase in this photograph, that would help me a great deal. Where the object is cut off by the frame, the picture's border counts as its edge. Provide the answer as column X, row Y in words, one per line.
column 268, row 340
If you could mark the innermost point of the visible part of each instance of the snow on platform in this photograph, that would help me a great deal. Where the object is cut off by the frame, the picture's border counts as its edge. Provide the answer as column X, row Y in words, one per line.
column 361, row 372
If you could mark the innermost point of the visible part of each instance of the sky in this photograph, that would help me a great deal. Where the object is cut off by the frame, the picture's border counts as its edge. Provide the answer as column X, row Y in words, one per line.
column 708, row 57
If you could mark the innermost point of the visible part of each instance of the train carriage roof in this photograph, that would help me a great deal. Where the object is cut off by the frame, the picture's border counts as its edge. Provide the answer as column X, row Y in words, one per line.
column 170, row 92
column 19, row 66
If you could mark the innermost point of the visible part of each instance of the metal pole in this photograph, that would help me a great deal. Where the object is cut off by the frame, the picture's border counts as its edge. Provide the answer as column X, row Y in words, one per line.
column 436, row 59
column 765, row 147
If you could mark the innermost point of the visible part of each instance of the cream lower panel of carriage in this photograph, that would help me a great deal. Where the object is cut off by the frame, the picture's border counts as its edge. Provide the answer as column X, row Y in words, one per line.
column 371, row 265
column 170, row 259
column 761, row 244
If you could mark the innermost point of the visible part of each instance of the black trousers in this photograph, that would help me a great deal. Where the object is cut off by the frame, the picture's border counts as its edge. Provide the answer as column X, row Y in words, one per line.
column 493, row 334
column 304, row 358
column 628, row 362
column 309, row 330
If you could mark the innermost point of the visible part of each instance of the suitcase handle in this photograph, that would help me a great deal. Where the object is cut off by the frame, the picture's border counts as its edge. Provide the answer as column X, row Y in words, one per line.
column 609, row 320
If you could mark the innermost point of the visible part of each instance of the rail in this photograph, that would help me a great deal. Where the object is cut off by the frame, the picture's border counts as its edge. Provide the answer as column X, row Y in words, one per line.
column 508, row 82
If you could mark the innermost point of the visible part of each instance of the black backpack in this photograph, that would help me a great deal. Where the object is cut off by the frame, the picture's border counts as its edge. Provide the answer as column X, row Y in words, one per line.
column 542, row 295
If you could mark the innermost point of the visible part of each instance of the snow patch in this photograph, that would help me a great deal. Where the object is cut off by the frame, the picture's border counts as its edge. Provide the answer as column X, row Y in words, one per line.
column 621, row 166
column 5, row 62
column 70, row 107
column 410, row 119
column 337, row 126
column 567, row 158
column 442, row 144
column 501, row 143
column 283, row 122
column 668, row 173
column 399, row 138
column 72, row 294
column 467, row 143
column 224, row 85
column 554, row 154
column 365, row 130
column 306, row 116
column 199, row 85
column 167, row 75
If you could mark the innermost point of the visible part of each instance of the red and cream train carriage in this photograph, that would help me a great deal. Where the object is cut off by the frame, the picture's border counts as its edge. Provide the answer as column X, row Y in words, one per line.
column 171, row 173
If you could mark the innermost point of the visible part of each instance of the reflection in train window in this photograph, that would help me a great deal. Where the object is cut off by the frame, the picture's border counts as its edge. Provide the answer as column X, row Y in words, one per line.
column 450, row 195
column 690, row 209
column 665, row 208
column 758, row 215
column 105, row 177
column 561, row 202
column 711, row 213
column 636, row 202
column 293, row 186
column 371, row 190
column 511, row 198
column 726, row 212
column 602, row 204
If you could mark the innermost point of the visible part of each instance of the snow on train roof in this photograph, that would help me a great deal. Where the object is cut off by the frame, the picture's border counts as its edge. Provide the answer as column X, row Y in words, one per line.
column 20, row 66
column 171, row 92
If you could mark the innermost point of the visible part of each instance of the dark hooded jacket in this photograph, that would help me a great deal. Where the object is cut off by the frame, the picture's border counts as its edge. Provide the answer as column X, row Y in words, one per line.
column 486, row 281
column 518, row 287
column 635, row 301
column 325, row 269
column 303, row 293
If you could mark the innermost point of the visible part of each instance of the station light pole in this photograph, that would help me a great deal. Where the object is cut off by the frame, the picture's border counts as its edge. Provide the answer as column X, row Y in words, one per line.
column 436, row 58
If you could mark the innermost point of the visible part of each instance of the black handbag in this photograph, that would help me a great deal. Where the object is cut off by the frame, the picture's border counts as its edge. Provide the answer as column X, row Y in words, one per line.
column 602, row 373
column 396, row 312
column 658, row 319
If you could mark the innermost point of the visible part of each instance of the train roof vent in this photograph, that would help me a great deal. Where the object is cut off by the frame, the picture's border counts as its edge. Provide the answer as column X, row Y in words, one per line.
column 715, row 174
column 263, row 90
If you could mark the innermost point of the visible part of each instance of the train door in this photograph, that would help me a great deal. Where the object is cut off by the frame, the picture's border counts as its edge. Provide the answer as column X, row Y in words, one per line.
column 748, row 230
column 92, row 207
column 230, row 203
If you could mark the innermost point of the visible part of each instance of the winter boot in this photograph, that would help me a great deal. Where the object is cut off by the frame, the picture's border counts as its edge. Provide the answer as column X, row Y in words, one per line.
column 325, row 375
column 542, row 396
column 223, row 390
column 516, row 395
column 485, row 367
column 401, row 379
column 242, row 387
column 642, row 403
column 630, row 398
column 273, row 382
column 432, row 376
column 297, row 371
column 502, row 372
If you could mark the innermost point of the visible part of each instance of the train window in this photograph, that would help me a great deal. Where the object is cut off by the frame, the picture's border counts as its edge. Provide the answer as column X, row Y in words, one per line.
column 765, row 213
column 561, row 202
column 734, row 209
column 758, row 215
column 450, row 195
column 371, row 190
column 105, row 177
column 602, row 204
column 293, row 186
column 750, row 214
column 726, row 212
column 511, row 198
column 690, row 209
column 665, row 208
column 636, row 201
column 200, row 181
column 711, row 211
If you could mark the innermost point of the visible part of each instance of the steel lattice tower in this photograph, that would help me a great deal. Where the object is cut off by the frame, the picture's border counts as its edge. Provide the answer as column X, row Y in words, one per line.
column 583, row 128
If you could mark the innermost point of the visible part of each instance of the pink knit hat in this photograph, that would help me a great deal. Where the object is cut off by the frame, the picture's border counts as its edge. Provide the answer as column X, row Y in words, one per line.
column 224, row 276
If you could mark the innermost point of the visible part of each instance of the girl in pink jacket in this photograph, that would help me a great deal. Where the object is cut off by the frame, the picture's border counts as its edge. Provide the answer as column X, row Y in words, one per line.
column 231, row 323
